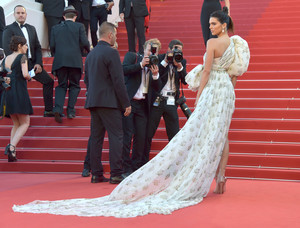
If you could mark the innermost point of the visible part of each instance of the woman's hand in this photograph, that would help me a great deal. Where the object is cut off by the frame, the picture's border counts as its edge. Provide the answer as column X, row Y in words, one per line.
column 7, row 80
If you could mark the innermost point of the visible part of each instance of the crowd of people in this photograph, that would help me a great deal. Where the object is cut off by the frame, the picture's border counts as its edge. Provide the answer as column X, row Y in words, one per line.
column 128, row 100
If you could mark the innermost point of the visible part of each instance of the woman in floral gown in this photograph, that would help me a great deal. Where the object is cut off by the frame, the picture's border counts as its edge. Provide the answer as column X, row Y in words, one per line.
column 182, row 173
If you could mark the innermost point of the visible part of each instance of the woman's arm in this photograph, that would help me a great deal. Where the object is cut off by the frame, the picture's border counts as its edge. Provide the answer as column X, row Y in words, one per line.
column 24, row 67
column 233, row 80
column 207, row 67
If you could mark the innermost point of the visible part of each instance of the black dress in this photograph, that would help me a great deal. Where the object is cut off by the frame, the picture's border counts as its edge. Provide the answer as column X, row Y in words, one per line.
column 17, row 98
column 208, row 7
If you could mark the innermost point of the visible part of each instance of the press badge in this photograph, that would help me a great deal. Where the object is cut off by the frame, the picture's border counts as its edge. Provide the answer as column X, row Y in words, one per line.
column 156, row 102
column 171, row 101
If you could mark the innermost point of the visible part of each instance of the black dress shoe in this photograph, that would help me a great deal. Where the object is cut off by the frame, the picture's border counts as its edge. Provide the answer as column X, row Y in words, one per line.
column 57, row 117
column 124, row 175
column 71, row 116
column 116, row 179
column 85, row 173
column 48, row 114
column 98, row 179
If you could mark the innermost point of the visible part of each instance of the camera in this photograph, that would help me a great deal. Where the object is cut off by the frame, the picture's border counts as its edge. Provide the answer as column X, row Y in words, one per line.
column 153, row 59
column 176, row 54
column 4, row 84
column 185, row 109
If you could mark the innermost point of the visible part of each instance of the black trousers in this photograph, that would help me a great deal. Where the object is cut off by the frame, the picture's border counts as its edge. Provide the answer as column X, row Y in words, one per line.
column 134, row 126
column 98, row 16
column 135, row 23
column 48, row 84
column 87, row 160
column 170, row 115
column 68, row 78
column 109, row 119
column 208, row 7
column 51, row 21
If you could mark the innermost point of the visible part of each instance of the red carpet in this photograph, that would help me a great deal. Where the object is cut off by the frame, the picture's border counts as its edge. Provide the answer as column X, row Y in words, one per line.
column 264, row 134
column 244, row 204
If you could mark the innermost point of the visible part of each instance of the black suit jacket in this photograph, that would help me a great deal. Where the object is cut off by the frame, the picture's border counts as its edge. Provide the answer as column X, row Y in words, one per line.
column 83, row 8
column 54, row 8
column 139, row 8
column 104, row 78
column 66, row 41
column 2, row 24
column 163, row 76
column 35, row 47
column 133, row 71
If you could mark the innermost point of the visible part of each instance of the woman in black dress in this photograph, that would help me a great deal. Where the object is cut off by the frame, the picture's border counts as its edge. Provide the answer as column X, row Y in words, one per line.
column 208, row 7
column 18, row 105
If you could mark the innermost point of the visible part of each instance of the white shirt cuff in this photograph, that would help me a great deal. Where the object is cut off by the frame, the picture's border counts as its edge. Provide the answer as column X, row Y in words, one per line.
column 141, row 65
column 180, row 69
column 155, row 77
column 164, row 63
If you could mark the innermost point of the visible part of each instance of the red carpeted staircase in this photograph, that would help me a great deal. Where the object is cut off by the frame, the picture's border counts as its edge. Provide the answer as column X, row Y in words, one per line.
column 265, row 130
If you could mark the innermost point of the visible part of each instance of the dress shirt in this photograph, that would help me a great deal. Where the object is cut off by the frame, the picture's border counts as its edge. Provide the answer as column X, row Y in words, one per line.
column 144, row 86
column 25, row 32
column 170, row 85
column 98, row 2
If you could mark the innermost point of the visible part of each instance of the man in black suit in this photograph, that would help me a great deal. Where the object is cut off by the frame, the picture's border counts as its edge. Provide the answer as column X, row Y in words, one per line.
column 106, row 97
column 34, row 53
column 140, row 79
column 171, row 74
column 134, row 13
column 67, row 38
column 53, row 11
column 83, row 8
column 99, row 11
column 2, row 24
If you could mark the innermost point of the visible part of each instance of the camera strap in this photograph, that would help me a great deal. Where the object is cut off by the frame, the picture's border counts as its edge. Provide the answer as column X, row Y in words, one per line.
column 171, row 75
column 181, row 88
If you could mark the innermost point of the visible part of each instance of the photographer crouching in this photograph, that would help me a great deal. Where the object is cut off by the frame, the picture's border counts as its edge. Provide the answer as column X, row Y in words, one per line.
column 172, row 71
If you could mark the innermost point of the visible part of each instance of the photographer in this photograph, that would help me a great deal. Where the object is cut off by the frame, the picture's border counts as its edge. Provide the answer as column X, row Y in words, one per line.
column 141, row 78
column 172, row 71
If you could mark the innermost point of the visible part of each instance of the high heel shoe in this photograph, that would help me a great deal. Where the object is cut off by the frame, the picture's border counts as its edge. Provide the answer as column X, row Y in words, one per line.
column 221, row 184
column 6, row 150
column 12, row 154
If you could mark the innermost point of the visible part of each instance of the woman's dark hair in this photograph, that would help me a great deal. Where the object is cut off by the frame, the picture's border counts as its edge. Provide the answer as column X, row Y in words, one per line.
column 223, row 17
column 15, row 41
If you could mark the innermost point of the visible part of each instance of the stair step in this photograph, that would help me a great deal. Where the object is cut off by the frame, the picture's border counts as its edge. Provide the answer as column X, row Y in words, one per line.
column 240, row 172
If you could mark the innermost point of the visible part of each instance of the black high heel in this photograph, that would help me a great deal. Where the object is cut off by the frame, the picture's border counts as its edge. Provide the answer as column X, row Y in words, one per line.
column 6, row 150
column 12, row 154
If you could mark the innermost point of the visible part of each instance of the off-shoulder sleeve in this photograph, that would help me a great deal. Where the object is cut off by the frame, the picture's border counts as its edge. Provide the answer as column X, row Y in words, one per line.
column 241, row 57
column 193, row 78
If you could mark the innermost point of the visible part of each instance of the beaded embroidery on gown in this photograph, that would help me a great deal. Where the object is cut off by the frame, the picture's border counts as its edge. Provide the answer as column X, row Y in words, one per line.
column 182, row 173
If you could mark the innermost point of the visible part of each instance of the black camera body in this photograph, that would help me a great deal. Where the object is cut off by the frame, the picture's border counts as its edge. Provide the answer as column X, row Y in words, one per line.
column 185, row 109
column 153, row 59
column 175, row 55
